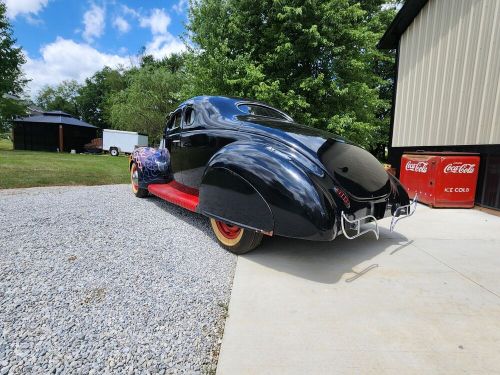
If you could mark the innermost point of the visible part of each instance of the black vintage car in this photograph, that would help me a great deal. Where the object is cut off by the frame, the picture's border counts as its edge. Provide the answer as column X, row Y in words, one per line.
column 253, row 171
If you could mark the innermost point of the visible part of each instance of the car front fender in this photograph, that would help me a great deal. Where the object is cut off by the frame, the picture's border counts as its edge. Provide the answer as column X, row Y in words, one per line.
column 153, row 165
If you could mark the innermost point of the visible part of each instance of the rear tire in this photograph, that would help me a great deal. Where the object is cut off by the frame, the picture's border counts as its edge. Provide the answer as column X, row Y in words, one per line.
column 235, row 239
column 134, row 180
column 114, row 151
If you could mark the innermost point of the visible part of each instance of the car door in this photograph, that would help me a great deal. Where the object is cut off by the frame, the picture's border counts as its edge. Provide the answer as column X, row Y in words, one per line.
column 173, row 132
column 195, row 147
column 199, row 142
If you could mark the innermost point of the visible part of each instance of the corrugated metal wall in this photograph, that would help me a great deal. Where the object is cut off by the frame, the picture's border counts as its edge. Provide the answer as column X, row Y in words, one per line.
column 448, row 90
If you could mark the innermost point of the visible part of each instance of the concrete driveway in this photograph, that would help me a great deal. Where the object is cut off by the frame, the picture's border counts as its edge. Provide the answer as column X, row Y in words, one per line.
column 423, row 300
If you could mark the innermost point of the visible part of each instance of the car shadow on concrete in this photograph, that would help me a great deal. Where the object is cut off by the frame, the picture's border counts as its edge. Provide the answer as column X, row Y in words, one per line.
column 327, row 262
column 323, row 262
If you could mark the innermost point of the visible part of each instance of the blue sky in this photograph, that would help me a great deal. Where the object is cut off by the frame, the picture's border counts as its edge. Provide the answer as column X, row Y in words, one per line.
column 67, row 39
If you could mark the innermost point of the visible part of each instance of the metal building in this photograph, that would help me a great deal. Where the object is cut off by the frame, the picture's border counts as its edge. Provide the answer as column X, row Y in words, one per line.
column 447, row 90
column 52, row 131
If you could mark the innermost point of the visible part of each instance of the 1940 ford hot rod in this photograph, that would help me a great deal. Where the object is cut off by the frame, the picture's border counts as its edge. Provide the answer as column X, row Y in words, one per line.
column 253, row 171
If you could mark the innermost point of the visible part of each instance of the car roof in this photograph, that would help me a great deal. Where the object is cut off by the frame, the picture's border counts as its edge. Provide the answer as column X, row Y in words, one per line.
column 231, row 100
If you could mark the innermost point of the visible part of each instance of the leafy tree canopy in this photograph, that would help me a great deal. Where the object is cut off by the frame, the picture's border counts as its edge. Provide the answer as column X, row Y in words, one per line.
column 62, row 97
column 315, row 59
column 12, row 80
column 152, row 93
column 94, row 95
column 122, row 99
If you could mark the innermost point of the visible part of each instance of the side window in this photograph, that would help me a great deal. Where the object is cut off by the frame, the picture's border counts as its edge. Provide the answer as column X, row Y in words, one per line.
column 175, row 121
column 189, row 115
column 170, row 121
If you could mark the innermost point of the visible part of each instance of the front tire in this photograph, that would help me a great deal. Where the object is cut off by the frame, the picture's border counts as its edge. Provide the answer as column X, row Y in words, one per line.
column 114, row 151
column 235, row 239
column 134, row 180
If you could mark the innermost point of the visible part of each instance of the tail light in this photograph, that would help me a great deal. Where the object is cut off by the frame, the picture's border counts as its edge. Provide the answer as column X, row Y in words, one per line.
column 342, row 196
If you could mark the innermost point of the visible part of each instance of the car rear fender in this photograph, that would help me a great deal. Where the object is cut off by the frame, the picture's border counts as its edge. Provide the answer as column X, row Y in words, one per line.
column 227, row 196
column 399, row 196
column 255, row 185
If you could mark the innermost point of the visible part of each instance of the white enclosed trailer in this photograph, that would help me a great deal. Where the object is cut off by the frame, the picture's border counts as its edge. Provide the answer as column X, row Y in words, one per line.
column 116, row 141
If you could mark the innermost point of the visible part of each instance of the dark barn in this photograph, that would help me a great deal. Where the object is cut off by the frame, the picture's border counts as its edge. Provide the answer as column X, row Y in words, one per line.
column 52, row 131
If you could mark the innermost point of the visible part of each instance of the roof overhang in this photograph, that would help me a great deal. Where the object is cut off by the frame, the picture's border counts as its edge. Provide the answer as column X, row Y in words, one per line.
column 56, row 120
column 400, row 23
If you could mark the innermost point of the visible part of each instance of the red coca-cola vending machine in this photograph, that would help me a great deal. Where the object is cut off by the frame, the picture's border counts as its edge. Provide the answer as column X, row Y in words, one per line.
column 441, row 179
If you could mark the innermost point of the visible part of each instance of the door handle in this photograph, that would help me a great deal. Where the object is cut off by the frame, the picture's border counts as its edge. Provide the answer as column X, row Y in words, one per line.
column 176, row 141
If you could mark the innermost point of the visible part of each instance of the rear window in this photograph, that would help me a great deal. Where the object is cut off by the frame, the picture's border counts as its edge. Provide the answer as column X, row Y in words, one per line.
column 260, row 110
column 354, row 168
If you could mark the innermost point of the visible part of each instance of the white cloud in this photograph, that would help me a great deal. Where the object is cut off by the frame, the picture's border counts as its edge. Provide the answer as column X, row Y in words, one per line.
column 35, row 21
column 26, row 7
column 157, row 21
column 163, row 42
column 164, row 45
column 94, row 21
column 65, row 59
column 181, row 6
column 130, row 11
column 121, row 24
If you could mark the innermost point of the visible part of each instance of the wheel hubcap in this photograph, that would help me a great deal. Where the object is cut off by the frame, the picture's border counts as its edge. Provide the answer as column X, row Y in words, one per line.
column 228, row 231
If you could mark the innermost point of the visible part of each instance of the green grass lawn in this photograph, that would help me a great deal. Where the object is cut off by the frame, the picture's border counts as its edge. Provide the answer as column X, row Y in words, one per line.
column 33, row 168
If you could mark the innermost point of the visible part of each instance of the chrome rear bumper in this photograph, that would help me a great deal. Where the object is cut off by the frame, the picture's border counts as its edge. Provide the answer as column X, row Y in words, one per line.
column 403, row 212
column 355, row 224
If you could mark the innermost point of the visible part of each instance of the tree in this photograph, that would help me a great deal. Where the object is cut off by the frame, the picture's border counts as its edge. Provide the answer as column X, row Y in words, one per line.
column 384, row 67
column 62, row 97
column 94, row 100
column 152, row 93
column 94, row 95
column 315, row 59
column 175, row 62
column 12, row 81
column 10, row 107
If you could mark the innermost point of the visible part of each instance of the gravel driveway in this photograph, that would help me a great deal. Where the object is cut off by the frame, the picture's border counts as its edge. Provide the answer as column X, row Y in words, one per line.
column 94, row 280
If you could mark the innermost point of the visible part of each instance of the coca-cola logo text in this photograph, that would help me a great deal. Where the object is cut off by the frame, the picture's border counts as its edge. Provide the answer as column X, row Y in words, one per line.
column 460, row 168
column 417, row 166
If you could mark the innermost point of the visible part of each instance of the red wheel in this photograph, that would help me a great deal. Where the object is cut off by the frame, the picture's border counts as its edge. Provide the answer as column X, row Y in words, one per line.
column 235, row 239
column 230, row 232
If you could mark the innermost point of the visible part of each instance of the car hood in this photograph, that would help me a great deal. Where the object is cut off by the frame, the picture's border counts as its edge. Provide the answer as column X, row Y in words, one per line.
column 352, row 167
